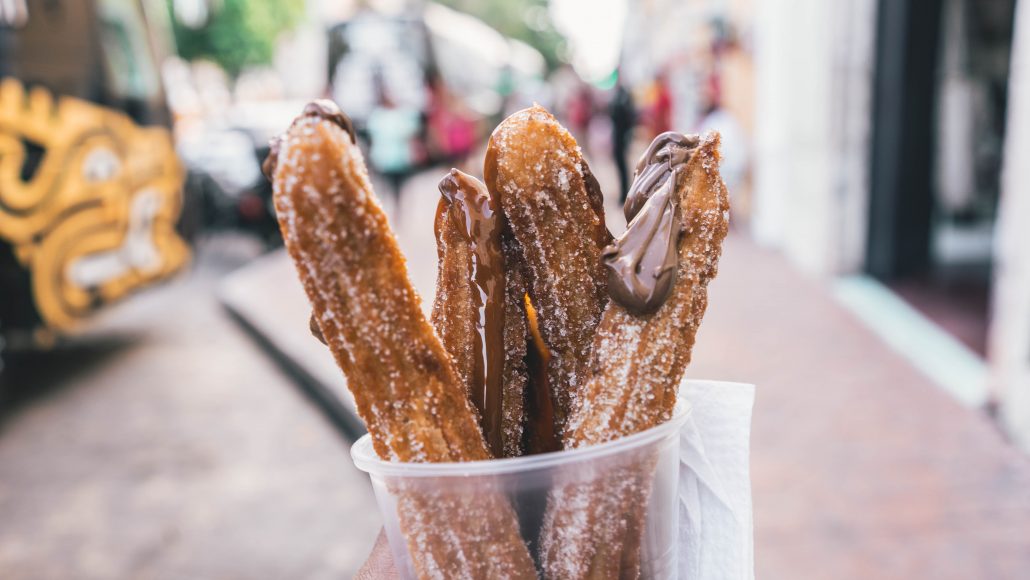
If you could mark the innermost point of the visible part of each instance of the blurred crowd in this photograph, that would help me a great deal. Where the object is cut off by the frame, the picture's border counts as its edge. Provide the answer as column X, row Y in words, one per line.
column 427, row 90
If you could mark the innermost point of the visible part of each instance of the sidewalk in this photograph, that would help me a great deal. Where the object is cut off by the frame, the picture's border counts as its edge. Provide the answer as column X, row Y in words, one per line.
column 862, row 468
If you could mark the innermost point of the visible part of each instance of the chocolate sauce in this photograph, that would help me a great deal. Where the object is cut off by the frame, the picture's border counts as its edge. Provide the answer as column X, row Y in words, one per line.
column 321, row 108
column 642, row 263
column 315, row 330
column 475, row 214
column 667, row 151
column 330, row 111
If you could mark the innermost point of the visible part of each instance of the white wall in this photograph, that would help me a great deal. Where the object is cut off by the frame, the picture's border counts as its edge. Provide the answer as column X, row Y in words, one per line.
column 1009, row 347
column 813, row 63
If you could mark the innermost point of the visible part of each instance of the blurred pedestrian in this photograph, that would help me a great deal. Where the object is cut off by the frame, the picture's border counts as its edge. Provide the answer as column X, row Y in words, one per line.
column 451, row 128
column 624, row 117
column 661, row 113
column 393, row 133
column 579, row 111
column 735, row 154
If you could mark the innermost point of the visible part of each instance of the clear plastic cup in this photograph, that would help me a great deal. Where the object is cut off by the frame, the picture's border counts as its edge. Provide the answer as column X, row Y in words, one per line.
column 650, row 458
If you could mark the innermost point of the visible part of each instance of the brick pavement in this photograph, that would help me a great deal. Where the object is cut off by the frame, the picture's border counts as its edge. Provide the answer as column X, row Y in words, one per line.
column 861, row 468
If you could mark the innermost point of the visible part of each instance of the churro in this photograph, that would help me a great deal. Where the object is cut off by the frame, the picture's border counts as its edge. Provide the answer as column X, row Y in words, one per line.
column 660, row 270
column 554, row 209
column 539, row 316
column 678, row 213
column 403, row 381
column 479, row 311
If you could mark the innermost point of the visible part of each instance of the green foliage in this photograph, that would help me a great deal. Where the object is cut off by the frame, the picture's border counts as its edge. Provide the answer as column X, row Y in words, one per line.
column 525, row 20
column 239, row 33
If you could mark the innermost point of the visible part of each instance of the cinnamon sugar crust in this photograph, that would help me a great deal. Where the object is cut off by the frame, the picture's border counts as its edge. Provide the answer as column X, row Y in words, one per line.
column 554, row 210
column 637, row 362
column 404, row 383
column 369, row 314
column 530, row 240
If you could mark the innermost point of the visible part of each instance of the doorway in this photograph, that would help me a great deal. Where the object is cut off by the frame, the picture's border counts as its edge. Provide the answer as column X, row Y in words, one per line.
column 938, row 129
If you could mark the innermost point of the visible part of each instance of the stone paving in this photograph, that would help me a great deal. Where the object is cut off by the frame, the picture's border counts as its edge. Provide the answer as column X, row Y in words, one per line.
column 861, row 467
column 166, row 445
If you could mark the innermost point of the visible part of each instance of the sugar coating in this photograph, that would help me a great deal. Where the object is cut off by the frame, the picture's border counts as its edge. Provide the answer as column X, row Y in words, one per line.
column 456, row 531
column 356, row 279
column 616, row 374
column 537, row 170
column 592, row 525
column 637, row 363
column 403, row 381
column 516, row 343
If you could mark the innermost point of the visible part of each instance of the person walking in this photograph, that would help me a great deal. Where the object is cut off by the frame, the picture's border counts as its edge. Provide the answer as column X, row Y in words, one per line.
column 579, row 111
column 393, row 136
column 624, row 117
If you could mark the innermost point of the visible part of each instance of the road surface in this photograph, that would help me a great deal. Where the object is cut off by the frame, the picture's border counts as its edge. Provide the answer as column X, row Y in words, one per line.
column 164, row 444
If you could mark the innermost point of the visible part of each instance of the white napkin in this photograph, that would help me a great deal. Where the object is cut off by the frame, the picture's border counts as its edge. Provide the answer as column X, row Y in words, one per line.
column 715, row 524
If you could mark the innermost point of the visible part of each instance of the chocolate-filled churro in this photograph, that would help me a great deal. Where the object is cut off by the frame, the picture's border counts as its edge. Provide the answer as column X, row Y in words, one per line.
column 479, row 311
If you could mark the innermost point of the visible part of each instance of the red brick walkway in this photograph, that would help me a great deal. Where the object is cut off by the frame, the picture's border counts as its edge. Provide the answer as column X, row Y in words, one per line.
column 861, row 468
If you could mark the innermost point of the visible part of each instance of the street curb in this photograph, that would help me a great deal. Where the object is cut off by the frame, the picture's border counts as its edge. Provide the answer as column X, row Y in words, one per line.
column 342, row 419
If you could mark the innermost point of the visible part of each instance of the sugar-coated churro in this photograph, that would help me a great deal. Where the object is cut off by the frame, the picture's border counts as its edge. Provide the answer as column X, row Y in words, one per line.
column 403, row 381
column 659, row 272
column 546, row 333
column 553, row 207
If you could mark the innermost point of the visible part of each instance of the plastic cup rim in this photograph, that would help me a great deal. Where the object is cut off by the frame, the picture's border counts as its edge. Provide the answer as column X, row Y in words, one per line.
column 366, row 460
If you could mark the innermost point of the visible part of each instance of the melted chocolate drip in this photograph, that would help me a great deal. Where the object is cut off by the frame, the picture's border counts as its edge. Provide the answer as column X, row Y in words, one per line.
column 475, row 214
column 642, row 263
column 316, row 331
column 321, row 108
column 654, row 167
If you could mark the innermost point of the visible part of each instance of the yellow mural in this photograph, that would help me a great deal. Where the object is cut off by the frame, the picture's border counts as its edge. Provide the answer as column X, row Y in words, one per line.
column 95, row 218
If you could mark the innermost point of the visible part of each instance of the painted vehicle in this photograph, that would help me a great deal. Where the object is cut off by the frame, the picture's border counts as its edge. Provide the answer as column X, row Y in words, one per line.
column 90, row 185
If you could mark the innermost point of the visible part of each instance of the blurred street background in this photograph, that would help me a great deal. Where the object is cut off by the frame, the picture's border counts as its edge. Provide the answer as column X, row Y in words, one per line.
column 164, row 412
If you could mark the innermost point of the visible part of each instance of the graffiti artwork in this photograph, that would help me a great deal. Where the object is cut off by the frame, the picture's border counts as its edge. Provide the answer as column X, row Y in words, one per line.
column 88, row 201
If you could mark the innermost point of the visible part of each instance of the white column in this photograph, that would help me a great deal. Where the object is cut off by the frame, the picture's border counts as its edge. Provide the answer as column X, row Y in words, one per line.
column 813, row 63
column 854, row 62
column 772, row 125
column 1009, row 348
